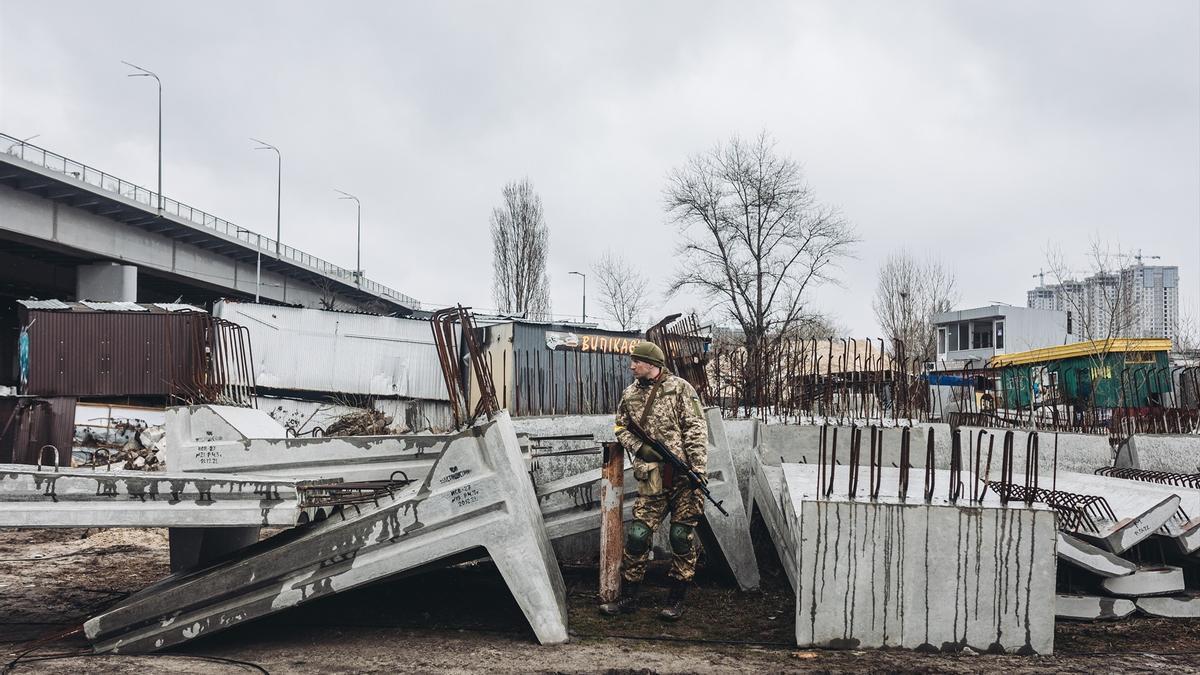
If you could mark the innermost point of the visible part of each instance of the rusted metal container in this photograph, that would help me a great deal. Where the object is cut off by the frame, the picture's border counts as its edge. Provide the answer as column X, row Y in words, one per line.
column 128, row 349
column 28, row 424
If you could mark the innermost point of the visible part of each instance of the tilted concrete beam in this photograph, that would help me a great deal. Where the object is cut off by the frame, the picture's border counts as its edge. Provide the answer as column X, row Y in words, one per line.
column 32, row 497
column 476, row 495
column 228, row 439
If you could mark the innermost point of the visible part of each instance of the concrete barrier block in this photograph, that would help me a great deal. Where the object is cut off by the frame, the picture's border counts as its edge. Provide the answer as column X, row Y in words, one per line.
column 935, row 575
column 1165, row 580
column 1092, row 607
column 1077, row 453
column 1171, row 606
column 787, row 443
column 477, row 494
column 1174, row 453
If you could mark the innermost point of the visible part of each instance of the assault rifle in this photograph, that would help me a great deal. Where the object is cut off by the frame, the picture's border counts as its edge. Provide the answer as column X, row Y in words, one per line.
column 700, row 482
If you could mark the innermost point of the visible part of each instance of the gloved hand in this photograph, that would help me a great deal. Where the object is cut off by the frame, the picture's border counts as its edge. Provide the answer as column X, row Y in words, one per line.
column 647, row 453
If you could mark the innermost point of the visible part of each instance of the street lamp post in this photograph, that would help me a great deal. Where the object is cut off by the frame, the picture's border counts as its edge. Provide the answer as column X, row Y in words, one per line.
column 23, row 142
column 147, row 73
column 263, row 145
column 584, row 294
column 358, row 255
column 257, row 262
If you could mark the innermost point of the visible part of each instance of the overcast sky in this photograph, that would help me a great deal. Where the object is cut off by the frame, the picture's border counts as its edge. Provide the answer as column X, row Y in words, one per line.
column 979, row 131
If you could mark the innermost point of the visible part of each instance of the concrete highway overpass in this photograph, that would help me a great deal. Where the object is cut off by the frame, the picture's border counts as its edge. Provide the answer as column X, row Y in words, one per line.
column 63, row 224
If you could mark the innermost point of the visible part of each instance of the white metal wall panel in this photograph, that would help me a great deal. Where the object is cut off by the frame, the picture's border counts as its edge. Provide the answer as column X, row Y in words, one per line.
column 339, row 352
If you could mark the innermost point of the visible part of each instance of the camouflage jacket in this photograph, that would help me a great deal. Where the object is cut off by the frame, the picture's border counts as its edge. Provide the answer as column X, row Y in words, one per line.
column 676, row 420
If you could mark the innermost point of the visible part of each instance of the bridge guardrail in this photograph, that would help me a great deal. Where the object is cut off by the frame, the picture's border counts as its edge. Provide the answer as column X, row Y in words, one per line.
column 52, row 161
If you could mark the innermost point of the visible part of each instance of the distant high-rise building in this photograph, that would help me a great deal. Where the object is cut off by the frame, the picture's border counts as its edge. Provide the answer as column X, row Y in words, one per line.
column 1139, row 301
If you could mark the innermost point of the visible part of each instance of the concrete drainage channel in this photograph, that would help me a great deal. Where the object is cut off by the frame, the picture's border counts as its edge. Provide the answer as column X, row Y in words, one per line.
column 959, row 550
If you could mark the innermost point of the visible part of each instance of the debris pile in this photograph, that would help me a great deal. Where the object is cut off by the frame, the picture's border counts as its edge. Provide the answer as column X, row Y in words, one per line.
column 360, row 423
column 135, row 448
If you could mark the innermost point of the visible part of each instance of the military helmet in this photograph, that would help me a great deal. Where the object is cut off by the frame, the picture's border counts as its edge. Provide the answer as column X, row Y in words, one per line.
column 650, row 353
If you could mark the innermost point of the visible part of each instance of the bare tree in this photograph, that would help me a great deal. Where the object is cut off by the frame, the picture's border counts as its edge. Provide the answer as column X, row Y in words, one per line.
column 520, row 246
column 1187, row 333
column 756, row 241
column 622, row 290
column 908, row 293
column 1101, row 306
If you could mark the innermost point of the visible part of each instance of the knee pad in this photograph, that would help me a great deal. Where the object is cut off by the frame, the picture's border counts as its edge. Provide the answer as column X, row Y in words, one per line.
column 637, row 539
column 681, row 538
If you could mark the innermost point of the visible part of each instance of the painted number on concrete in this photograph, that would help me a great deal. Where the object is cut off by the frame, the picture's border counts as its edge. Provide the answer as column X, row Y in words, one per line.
column 208, row 454
column 464, row 495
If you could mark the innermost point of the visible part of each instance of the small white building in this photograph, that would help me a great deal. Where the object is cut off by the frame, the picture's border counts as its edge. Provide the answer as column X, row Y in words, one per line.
column 969, row 337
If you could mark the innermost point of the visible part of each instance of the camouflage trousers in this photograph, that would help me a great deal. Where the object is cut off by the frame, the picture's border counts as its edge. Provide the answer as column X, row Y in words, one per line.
column 686, row 505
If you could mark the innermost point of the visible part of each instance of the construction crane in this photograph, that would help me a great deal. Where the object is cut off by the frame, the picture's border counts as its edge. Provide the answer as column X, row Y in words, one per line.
column 1041, row 277
column 1138, row 256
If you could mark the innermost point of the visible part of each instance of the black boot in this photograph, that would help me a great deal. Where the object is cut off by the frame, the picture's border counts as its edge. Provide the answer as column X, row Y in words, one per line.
column 626, row 604
column 674, row 608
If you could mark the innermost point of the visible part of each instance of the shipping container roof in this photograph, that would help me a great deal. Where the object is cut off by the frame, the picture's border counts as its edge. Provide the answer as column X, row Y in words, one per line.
column 88, row 306
column 1077, row 349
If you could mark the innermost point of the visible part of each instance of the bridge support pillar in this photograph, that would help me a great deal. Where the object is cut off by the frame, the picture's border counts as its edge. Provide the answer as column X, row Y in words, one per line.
column 106, row 282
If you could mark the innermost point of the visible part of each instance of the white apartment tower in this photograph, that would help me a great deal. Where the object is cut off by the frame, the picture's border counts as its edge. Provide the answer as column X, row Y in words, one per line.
column 1151, row 293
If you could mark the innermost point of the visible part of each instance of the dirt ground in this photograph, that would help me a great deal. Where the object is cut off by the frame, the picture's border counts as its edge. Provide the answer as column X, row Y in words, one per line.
column 464, row 620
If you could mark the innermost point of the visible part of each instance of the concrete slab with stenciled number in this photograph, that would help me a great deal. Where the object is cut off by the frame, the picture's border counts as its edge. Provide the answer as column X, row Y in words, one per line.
column 228, row 439
column 476, row 496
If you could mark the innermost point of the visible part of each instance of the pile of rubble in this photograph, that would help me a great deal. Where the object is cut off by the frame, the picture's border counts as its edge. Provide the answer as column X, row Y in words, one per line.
column 142, row 450
column 360, row 423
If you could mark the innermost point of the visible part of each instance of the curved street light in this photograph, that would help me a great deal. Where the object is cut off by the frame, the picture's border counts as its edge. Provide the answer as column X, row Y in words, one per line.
column 358, row 255
column 146, row 73
column 263, row 145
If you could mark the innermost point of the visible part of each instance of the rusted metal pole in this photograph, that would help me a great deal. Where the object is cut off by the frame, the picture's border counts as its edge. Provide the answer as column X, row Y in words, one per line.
column 612, row 529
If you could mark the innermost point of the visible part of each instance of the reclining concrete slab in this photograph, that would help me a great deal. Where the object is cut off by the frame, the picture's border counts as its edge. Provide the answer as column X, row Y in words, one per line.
column 476, row 495
column 46, row 497
column 934, row 575
column 766, row 491
column 1093, row 558
column 570, row 506
column 1138, row 509
column 229, row 439
column 1184, row 606
column 1092, row 607
column 1183, row 528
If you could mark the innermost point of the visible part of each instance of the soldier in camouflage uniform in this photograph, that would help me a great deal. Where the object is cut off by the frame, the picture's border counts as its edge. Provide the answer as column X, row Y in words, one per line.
column 668, row 408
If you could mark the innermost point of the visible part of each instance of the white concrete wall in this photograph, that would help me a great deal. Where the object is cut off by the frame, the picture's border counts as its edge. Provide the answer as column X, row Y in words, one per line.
column 941, row 576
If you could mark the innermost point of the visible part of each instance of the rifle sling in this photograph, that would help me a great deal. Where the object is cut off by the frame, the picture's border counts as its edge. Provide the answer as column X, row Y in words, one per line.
column 667, row 468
